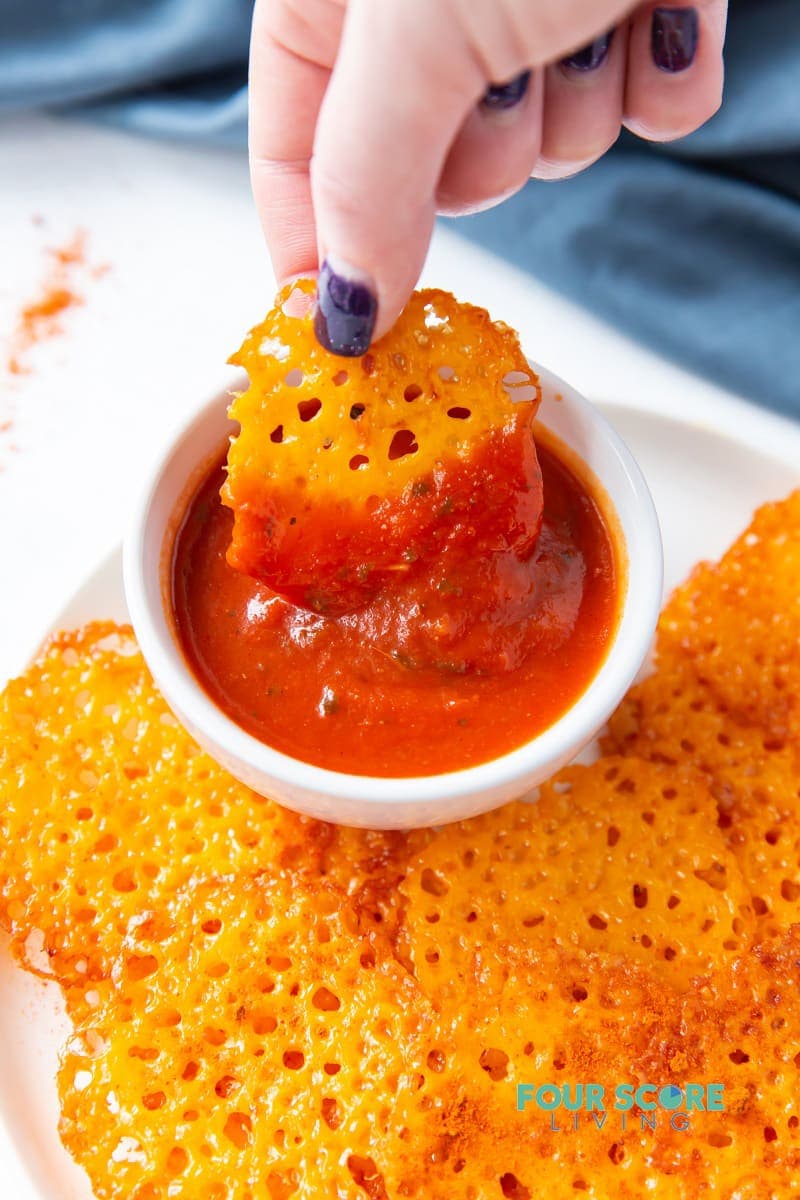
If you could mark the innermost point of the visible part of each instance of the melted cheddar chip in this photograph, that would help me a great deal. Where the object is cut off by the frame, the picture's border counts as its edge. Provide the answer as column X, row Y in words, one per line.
column 603, row 934
column 735, row 623
column 568, row 1018
column 346, row 472
column 623, row 858
column 725, row 699
column 107, row 806
column 253, row 1043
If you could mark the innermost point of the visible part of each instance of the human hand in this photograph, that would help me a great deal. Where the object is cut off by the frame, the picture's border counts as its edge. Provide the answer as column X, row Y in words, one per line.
column 367, row 117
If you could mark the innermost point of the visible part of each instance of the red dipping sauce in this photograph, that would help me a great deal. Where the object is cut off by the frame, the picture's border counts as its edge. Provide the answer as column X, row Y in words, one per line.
column 438, row 673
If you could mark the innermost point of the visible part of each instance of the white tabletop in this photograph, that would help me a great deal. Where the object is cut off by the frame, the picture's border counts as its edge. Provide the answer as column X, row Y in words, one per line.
column 188, row 274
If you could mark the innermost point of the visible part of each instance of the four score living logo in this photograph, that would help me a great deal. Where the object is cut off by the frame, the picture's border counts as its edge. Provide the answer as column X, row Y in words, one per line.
column 642, row 1105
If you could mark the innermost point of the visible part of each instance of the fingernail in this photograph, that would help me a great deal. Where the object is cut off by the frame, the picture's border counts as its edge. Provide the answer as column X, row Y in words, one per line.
column 506, row 95
column 590, row 57
column 675, row 35
column 346, row 309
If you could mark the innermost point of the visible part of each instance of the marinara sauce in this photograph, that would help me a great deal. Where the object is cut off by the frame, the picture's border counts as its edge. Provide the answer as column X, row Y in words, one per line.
column 441, row 671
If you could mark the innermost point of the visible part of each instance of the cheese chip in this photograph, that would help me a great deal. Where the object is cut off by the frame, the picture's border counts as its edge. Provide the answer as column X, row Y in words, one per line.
column 253, row 1043
column 565, row 1019
column 344, row 474
column 735, row 623
column 266, row 1008
column 724, row 699
column 107, row 806
column 623, row 858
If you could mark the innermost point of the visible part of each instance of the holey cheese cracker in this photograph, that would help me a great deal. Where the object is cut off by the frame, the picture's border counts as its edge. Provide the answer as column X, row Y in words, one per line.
column 344, row 475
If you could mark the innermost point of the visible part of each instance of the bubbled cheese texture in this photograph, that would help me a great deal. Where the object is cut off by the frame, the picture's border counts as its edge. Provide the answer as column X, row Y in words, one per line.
column 439, row 356
column 107, row 806
column 725, row 698
column 347, row 471
column 283, row 1011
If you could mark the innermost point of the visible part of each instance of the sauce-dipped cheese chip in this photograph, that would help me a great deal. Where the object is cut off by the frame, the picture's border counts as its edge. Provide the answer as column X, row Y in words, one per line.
column 345, row 475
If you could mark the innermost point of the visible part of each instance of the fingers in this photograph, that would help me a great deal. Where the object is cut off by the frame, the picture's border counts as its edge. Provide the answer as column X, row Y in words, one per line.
column 494, row 153
column 675, row 69
column 583, row 105
column 408, row 75
column 290, row 59
column 365, row 116
column 393, row 108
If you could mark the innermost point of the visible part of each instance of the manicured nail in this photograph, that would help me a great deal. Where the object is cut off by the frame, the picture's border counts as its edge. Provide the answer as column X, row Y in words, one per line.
column 590, row 57
column 346, row 309
column 675, row 35
column 499, row 96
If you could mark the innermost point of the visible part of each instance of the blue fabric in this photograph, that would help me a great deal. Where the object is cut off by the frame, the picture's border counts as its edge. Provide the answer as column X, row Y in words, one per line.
column 693, row 248
column 700, row 265
column 131, row 54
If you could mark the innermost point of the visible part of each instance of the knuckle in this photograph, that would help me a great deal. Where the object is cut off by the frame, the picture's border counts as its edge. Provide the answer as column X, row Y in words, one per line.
column 277, row 168
column 547, row 31
column 336, row 190
column 291, row 25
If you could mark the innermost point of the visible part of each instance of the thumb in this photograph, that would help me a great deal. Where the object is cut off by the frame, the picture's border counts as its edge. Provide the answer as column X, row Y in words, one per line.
column 394, row 105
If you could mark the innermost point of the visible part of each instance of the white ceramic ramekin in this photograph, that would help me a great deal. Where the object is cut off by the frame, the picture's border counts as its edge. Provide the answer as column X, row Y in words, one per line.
column 425, row 800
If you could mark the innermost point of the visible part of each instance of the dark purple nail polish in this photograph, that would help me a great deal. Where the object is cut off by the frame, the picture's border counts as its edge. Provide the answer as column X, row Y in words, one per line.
column 675, row 35
column 506, row 95
column 590, row 57
column 345, row 314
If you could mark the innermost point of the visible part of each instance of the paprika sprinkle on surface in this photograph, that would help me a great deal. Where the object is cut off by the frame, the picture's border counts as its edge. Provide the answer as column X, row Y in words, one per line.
column 40, row 318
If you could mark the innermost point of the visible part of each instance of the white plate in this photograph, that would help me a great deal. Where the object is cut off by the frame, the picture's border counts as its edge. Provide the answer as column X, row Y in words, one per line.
column 705, row 483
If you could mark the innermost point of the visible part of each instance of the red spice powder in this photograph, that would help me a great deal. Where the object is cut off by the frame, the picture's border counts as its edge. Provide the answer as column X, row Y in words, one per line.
column 39, row 320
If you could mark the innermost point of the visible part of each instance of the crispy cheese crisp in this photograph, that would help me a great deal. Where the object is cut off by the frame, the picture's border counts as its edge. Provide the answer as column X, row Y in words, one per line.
column 602, row 934
column 107, row 806
column 304, row 1012
column 735, row 623
column 344, row 473
column 724, row 698
column 623, row 858
column 568, row 1018
column 253, row 1043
